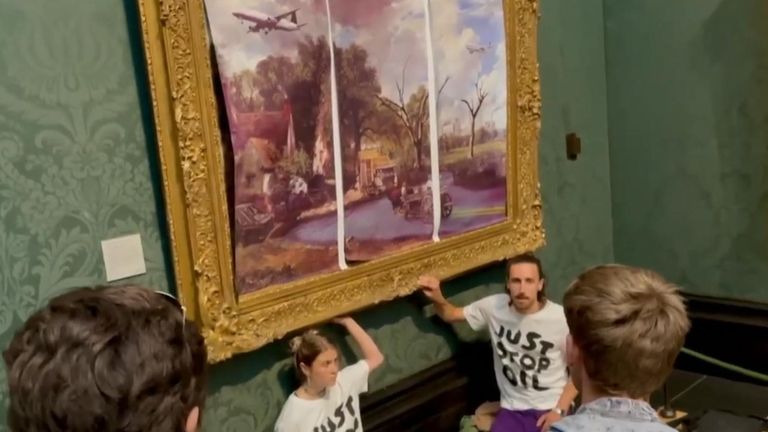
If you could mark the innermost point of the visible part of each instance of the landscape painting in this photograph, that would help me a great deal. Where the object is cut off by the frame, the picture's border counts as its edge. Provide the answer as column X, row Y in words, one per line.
column 470, row 63
column 319, row 155
column 381, row 70
column 273, row 62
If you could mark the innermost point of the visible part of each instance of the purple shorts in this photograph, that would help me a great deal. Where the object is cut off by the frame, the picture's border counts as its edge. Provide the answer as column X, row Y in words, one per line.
column 517, row 421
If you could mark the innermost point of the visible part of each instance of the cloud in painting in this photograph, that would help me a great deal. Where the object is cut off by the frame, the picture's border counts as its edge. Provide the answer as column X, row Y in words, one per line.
column 237, row 49
column 394, row 34
column 481, row 8
column 360, row 13
column 456, row 25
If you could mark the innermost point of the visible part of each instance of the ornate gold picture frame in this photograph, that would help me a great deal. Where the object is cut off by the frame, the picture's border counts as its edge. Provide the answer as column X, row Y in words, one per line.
column 187, row 117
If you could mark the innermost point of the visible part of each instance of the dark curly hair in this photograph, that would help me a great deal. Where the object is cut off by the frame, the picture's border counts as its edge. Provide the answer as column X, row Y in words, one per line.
column 117, row 358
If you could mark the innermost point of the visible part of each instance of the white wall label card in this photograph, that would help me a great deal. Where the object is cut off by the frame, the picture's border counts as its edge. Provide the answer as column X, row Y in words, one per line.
column 123, row 257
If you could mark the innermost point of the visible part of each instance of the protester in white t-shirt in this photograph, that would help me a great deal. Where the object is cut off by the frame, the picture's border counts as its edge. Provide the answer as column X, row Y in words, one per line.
column 529, row 334
column 328, row 398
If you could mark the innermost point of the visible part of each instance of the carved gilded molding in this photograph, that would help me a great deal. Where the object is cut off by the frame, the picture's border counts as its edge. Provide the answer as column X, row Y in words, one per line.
column 190, row 149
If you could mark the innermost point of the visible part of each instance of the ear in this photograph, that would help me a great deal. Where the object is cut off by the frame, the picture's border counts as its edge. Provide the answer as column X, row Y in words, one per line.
column 542, row 282
column 572, row 353
column 304, row 369
column 193, row 420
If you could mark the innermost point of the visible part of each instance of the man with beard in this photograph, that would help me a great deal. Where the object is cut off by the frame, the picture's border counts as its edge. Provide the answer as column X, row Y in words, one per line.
column 529, row 334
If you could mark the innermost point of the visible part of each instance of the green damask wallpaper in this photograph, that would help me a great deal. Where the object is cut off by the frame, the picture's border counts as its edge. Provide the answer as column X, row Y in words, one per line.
column 76, row 167
column 688, row 91
column 682, row 187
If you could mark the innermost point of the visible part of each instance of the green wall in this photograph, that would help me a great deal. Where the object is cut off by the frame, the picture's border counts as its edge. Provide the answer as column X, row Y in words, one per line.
column 577, row 206
column 688, row 127
column 74, row 166
column 77, row 165
column 682, row 187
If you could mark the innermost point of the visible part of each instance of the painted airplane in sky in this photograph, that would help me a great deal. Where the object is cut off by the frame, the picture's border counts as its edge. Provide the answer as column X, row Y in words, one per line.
column 267, row 23
column 477, row 49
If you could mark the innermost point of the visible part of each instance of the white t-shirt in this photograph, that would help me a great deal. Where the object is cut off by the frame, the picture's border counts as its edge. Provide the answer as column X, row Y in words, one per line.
column 338, row 410
column 530, row 360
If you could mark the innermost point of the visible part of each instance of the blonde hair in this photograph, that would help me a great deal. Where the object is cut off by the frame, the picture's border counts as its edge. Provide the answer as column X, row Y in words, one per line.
column 305, row 348
column 629, row 324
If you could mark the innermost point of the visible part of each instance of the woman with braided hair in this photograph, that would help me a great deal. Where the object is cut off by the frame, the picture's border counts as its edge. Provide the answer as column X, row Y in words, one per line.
column 328, row 398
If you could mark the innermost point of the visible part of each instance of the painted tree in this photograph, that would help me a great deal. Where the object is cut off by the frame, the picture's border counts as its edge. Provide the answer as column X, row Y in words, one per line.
column 393, row 139
column 310, row 99
column 272, row 78
column 413, row 114
column 474, row 109
column 357, row 91
column 243, row 92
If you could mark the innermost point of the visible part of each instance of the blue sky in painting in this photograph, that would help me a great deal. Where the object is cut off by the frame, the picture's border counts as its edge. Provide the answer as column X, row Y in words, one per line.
column 488, row 27
column 457, row 26
column 393, row 32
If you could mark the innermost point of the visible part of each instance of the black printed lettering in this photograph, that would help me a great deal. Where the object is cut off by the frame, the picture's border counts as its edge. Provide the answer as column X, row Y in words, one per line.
column 514, row 347
column 531, row 341
column 501, row 350
column 351, row 406
column 545, row 346
column 509, row 374
column 514, row 339
column 331, row 426
column 543, row 364
column 527, row 362
column 340, row 415
column 355, row 427
column 536, row 384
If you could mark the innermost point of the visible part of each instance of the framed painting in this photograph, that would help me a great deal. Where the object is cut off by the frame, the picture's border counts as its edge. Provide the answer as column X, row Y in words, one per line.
column 317, row 156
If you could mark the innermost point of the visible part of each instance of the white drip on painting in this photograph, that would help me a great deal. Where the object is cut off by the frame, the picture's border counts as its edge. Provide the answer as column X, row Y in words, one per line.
column 434, row 155
column 337, row 161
